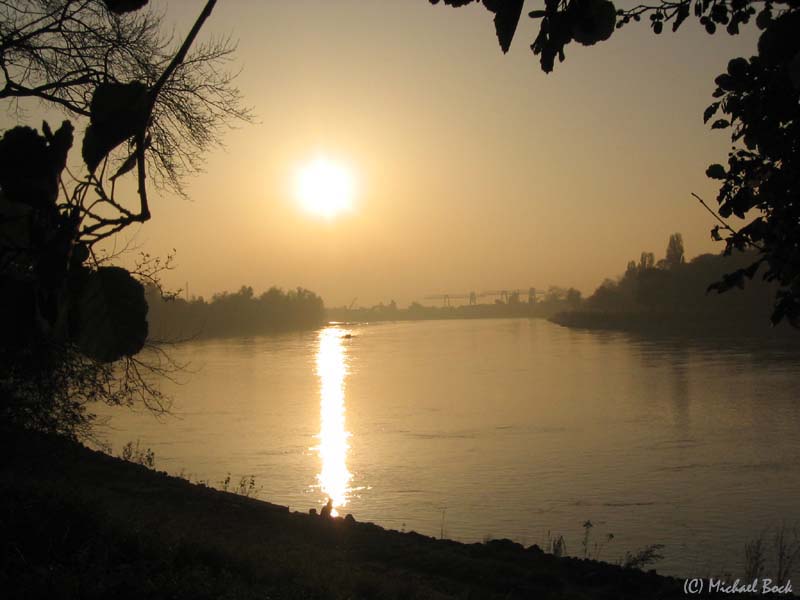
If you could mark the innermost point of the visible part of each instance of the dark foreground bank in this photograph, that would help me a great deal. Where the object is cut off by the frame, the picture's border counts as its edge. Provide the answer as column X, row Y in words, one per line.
column 80, row 524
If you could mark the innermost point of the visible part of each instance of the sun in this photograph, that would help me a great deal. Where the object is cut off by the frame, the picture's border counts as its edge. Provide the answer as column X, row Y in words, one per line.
column 324, row 187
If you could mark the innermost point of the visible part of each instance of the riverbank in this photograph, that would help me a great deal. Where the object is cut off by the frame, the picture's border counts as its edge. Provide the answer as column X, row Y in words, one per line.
column 670, row 323
column 82, row 524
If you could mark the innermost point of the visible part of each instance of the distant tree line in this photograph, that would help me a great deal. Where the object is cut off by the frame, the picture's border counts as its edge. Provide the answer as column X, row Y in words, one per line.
column 233, row 314
column 673, row 293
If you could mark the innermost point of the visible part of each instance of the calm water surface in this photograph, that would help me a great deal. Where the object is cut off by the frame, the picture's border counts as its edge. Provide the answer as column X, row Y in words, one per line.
column 501, row 428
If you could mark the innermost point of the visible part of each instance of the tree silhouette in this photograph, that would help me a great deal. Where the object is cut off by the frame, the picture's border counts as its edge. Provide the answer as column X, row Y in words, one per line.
column 240, row 313
column 759, row 101
column 647, row 262
column 61, row 51
column 69, row 315
column 675, row 255
column 670, row 296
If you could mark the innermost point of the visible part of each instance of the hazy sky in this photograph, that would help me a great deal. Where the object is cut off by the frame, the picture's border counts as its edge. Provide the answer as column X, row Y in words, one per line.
column 474, row 170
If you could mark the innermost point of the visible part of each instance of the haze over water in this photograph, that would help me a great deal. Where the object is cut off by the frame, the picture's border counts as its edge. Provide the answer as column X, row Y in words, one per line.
column 498, row 428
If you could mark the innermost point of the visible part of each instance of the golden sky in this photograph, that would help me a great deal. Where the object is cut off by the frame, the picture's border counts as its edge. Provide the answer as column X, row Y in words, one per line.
column 474, row 170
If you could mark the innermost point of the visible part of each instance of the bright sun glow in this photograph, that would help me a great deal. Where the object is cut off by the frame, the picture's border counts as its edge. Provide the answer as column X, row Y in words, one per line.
column 324, row 187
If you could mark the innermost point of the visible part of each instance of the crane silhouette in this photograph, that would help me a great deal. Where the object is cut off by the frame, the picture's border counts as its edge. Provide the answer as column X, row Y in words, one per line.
column 503, row 295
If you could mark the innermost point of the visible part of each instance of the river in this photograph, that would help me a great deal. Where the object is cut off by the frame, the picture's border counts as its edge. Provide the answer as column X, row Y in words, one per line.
column 498, row 428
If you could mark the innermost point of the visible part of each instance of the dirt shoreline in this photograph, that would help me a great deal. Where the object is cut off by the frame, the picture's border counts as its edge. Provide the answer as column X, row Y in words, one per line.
column 82, row 524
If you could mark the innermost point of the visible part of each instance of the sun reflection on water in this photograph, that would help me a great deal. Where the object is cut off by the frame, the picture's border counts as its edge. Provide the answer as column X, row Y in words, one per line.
column 334, row 478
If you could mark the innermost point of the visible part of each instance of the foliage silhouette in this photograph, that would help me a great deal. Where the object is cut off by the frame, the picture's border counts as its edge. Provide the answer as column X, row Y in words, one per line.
column 56, row 299
column 111, row 315
column 758, row 98
column 71, row 318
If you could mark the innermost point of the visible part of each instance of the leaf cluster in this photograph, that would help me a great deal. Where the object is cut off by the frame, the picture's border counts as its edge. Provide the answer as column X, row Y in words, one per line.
column 711, row 14
column 562, row 21
column 590, row 21
column 758, row 102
